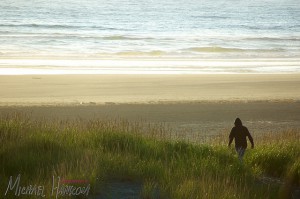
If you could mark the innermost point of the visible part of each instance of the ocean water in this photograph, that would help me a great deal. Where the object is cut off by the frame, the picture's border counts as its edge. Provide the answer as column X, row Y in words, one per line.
column 149, row 36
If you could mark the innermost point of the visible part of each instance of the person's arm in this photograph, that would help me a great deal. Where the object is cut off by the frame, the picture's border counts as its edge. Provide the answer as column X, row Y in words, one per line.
column 250, row 138
column 231, row 136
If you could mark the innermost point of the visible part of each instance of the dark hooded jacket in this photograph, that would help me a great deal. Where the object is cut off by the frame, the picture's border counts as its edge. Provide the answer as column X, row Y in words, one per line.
column 240, row 133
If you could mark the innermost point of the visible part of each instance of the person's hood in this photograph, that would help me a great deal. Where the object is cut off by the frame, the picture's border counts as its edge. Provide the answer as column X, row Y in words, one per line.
column 238, row 122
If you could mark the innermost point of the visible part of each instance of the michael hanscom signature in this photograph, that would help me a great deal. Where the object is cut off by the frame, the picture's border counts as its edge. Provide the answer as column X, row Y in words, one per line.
column 59, row 188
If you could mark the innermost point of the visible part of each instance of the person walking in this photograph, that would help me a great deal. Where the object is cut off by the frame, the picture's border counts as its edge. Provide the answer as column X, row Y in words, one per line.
column 240, row 133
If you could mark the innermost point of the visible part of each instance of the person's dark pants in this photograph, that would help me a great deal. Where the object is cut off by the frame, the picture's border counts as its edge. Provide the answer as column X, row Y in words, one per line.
column 240, row 151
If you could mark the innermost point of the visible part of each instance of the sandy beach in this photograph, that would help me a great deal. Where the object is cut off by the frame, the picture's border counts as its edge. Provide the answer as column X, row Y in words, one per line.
column 107, row 89
column 189, row 104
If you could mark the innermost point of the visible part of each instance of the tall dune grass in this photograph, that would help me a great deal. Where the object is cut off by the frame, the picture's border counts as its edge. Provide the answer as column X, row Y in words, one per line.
column 116, row 150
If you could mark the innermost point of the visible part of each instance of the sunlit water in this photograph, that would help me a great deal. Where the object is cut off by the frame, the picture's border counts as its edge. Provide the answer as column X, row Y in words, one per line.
column 170, row 36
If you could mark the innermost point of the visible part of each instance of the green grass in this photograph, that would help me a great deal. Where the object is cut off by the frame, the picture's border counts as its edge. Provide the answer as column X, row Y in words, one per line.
column 120, row 151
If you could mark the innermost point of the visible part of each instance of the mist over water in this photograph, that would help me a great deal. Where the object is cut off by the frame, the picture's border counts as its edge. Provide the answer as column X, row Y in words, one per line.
column 186, row 30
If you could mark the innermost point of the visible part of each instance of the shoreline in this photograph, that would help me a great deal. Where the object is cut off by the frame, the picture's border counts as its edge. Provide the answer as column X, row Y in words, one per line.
column 148, row 66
